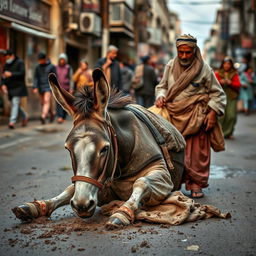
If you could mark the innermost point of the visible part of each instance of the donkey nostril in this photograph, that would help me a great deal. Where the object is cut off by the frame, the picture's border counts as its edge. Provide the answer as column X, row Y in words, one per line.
column 91, row 204
column 80, row 207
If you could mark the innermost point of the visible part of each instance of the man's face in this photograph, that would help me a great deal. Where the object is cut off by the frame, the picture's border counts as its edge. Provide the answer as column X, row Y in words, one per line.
column 42, row 61
column 227, row 66
column 112, row 54
column 185, row 55
column 9, row 57
column 62, row 62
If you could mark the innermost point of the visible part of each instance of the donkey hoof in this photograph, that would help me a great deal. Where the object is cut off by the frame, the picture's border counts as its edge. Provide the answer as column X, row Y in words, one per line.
column 114, row 223
column 23, row 212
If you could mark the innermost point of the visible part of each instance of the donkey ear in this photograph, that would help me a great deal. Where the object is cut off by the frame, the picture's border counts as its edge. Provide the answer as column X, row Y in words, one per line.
column 101, row 91
column 64, row 98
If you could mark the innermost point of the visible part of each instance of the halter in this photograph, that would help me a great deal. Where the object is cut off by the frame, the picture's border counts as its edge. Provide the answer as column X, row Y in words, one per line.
column 99, row 182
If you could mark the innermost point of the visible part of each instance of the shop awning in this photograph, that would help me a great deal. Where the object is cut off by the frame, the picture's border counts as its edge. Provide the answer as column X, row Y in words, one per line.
column 32, row 31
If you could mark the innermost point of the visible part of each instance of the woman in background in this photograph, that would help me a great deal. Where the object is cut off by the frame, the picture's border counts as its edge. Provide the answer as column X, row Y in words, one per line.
column 229, row 80
column 246, row 93
column 83, row 75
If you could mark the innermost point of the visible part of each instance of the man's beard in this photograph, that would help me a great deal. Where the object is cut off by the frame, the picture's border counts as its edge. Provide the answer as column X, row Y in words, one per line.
column 186, row 63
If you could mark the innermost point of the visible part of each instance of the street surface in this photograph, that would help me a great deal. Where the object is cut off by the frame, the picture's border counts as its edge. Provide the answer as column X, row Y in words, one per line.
column 35, row 165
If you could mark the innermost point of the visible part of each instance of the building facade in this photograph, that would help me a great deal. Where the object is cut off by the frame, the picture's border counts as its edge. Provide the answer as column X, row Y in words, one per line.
column 234, row 33
column 83, row 29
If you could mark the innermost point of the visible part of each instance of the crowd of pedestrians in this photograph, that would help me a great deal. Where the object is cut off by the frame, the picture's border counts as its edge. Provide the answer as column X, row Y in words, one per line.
column 139, row 81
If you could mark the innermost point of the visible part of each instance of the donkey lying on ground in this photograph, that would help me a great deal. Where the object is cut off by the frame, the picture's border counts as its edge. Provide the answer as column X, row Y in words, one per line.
column 115, row 153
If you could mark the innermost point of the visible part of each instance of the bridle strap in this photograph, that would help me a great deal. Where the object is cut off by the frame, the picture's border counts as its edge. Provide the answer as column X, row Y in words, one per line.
column 87, row 179
column 113, row 137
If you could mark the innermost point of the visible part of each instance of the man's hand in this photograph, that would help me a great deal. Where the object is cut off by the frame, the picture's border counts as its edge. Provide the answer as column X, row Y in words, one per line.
column 160, row 102
column 7, row 74
column 35, row 90
column 210, row 120
column 4, row 89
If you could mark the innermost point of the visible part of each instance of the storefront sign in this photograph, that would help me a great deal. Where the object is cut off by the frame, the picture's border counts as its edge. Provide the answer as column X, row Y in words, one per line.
column 32, row 12
column 90, row 6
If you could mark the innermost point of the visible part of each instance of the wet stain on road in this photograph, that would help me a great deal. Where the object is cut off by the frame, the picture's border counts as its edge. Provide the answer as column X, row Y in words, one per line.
column 49, row 130
column 222, row 172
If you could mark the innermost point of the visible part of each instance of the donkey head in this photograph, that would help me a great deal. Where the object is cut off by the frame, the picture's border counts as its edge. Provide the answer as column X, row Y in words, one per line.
column 89, row 142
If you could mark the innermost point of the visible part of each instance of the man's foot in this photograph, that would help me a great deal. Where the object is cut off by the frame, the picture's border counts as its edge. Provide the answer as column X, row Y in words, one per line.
column 11, row 126
column 60, row 120
column 229, row 137
column 42, row 120
column 197, row 193
column 24, row 122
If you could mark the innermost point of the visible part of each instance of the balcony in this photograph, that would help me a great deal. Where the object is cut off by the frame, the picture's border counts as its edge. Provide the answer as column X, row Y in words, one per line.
column 121, row 18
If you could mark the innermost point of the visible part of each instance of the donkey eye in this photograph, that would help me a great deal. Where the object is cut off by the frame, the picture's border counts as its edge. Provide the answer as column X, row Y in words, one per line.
column 104, row 150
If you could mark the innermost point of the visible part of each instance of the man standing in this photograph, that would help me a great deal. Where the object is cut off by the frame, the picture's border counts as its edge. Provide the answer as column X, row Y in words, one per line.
column 13, row 83
column 145, row 95
column 41, row 85
column 194, row 98
column 111, row 67
column 64, row 73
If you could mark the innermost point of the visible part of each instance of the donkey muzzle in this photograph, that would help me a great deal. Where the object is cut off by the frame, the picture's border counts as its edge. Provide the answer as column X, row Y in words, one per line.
column 83, row 209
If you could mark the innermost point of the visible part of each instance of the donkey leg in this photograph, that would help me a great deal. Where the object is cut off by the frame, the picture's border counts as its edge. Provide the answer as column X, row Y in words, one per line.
column 149, row 190
column 29, row 211
column 125, row 214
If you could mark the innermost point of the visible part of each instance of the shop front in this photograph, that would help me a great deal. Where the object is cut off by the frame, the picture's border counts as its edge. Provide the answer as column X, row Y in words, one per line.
column 25, row 27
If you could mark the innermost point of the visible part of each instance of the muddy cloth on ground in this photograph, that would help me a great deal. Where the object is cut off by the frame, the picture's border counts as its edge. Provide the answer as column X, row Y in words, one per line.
column 175, row 210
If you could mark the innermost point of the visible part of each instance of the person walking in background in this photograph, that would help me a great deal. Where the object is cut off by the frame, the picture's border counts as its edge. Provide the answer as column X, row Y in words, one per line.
column 191, row 93
column 145, row 94
column 246, row 92
column 127, row 75
column 64, row 73
column 13, row 83
column 41, row 85
column 111, row 67
column 83, row 75
column 229, row 80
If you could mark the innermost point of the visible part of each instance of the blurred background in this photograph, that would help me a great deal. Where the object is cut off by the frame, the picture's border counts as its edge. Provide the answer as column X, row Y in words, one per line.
column 84, row 29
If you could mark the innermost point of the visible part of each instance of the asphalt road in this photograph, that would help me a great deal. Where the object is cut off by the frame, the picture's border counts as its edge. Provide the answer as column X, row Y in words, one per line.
column 35, row 165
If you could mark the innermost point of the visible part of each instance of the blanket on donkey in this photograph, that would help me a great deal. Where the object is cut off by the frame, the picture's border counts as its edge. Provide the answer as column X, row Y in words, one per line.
column 175, row 210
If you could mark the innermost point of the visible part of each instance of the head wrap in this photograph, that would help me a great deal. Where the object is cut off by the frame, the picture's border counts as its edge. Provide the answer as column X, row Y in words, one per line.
column 183, row 76
column 63, row 56
column 187, row 40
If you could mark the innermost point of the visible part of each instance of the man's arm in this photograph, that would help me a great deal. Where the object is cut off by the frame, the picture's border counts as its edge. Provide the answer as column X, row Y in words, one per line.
column 162, row 88
column 99, row 63
column 35, row 80
column 217, row 96
column 20, row 72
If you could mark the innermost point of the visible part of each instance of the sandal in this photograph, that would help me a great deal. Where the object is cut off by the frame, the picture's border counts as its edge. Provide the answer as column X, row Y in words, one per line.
column 197, row 193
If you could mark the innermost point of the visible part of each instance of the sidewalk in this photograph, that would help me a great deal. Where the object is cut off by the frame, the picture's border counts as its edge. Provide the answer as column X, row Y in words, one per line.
column 10, row 137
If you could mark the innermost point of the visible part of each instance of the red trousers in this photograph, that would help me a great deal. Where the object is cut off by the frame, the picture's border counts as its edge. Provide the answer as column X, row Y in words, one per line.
column 197, row 161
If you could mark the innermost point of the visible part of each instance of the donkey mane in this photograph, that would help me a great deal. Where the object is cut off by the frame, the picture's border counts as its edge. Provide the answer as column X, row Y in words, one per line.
column 84, row 100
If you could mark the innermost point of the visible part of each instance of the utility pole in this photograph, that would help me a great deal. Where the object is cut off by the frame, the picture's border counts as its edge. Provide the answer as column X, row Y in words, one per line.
column 105, row 26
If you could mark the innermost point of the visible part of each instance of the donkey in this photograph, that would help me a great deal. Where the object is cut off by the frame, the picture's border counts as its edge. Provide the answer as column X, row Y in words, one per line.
column 114, row 154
